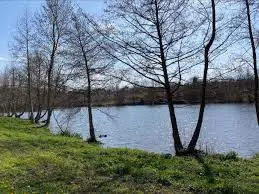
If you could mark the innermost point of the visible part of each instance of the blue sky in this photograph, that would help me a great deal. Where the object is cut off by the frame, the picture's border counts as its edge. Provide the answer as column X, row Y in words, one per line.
column 12, row 10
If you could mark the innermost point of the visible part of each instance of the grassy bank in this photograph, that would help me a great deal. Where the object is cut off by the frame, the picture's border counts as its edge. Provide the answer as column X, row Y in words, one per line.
column 34, row 161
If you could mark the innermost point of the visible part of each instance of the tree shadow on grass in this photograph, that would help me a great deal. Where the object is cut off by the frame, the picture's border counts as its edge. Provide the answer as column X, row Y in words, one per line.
column 207, row 169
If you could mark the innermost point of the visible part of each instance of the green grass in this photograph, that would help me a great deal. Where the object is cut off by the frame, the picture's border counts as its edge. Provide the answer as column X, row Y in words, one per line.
column 32, row 160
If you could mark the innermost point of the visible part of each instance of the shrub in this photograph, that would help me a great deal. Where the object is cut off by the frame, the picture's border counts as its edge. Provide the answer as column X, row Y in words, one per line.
column 68, row 133
column 231, row 156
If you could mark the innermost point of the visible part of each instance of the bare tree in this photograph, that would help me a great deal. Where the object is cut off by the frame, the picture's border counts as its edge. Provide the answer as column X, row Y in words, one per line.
column 21, row 49
column 6, row 88
column 253, row 46
column 51, row 24
column 89, row 59
column 39, row 82
column 207, row 48
column 248, row 33
column 156, row 39
column 14, row 91
column 160, row 40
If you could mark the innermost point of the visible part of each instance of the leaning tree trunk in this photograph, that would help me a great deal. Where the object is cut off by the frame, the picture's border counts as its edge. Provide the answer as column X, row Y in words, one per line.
column 175, row 132
column 49, row 86
column 89, row 106
column 254, row 60
column 10, row 112
column 40, row 101
column 49, row 108
column 196, row 134
column 89, row 94
column 31, row 117
column 39, row 106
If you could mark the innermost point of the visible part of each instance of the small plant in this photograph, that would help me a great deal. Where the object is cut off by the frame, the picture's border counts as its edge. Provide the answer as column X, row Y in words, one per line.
column 231, row 155
column 68, row 133
column 164, row 180
column 167, row 156
column 122, row 169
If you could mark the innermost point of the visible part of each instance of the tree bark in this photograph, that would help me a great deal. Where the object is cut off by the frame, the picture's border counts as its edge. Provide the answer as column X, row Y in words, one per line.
column 175, row 132
column 89, row 97
column 49, row 93
column 196, row 134
column 254, row 59
column 39, row 106
column 13, row 92
column 31, row 117
column 89, row 106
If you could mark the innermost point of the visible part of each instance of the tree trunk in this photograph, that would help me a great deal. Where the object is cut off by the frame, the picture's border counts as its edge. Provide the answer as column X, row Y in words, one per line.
column 49, row 114
column 39, row 107
column 31, row 117
column 175, row 132
column 254, row 59
column 89, row 106
column 49, row 108
column 37, row 117
column 13, row 93
column 49, row 93
column 89, row 99
column 196, row 134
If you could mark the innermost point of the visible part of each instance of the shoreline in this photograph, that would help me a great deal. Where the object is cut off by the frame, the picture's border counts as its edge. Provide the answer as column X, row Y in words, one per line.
column 34, row 160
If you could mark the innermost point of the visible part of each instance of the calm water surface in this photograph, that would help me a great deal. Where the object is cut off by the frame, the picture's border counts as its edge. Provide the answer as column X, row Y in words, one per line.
column 226, row 127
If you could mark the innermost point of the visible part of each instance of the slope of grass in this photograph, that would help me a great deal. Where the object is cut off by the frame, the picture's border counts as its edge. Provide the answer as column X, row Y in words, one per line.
column 32, row 160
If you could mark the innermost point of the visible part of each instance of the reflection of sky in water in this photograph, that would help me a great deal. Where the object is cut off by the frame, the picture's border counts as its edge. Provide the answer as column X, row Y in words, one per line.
column 226, row 127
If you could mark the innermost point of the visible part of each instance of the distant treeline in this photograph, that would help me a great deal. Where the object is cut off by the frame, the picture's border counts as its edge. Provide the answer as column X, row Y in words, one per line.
column 226, row 91
column 223, row 91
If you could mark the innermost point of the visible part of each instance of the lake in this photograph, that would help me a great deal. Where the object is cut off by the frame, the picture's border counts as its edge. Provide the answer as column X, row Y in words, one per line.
column 226, row 127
